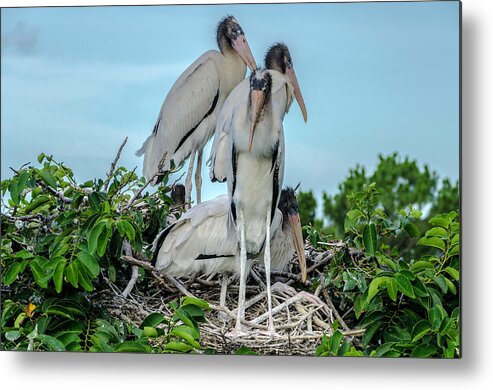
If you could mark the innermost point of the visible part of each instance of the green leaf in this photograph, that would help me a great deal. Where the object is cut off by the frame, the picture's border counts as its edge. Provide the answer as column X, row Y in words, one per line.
column 71, row 273
column 439, row 221
column 48, row 179
column 12, row 335
column 150, row 332
column 14, row 192
column 37, row 202
column 245, row 351
column 432, row 242
column 103, row 240
column 446, row 325
column 384, row 348
column 441, row 282
column 370, row 238
column 185, row 336
column 423, row 351
column 131, row 346
column 370, row 332
column 129, row 230
column 11, row 273
column 41, row 157
column 52, row 343
column 436, row 232
column 435, row 317
column 58, row 275
column 374, row 286
column 420, row 330
column 153, row 319
column 178, row 346
column 451, row 286
column 420, row 265
column 412, row 229
column 454, row 251
column 83, row 279
column 404, row 285
column 392, row 289
column 336, row 339
column 194, row 301
column 89, row 262
column 93, row 236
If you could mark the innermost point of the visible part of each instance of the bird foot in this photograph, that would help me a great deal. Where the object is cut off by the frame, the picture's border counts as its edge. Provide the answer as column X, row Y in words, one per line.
column 223, row 316
column 237, row 333
column 271, row 333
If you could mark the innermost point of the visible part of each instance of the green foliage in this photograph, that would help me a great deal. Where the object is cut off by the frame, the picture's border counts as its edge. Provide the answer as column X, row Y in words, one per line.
column 407, row 307
column 401, row 183
column 60, row 240
column 307, row 205
column 335, row 345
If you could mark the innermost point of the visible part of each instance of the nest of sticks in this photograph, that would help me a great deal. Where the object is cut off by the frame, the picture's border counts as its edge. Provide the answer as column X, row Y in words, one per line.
column 300, row 317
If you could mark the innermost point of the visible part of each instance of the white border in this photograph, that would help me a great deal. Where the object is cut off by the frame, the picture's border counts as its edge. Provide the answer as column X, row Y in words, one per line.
column 474, row 370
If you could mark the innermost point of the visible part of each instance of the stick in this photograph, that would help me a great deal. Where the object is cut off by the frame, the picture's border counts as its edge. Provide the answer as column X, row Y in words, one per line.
column 113, row 164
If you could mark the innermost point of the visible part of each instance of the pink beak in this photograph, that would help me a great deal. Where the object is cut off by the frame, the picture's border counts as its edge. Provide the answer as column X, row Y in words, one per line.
column 257, row 99
column 297, row 92
column 241, row 46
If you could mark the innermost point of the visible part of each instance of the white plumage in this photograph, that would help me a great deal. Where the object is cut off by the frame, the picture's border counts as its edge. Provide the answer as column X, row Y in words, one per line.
column 202, row 241
column 188, row 115
column 255, row 169
column 277, row 58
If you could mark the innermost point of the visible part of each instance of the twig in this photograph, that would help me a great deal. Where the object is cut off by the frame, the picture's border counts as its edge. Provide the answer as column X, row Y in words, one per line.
column 149, row 181
column 331, row 305
column 113, row 164
column 127, row 249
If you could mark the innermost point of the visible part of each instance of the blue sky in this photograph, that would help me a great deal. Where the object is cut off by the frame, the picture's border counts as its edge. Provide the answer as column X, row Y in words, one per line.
column 376, row 78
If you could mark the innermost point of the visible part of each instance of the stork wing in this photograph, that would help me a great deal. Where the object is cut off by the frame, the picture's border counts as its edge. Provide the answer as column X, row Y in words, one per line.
column 218, row 159
column 200, row 241
column 192, row 98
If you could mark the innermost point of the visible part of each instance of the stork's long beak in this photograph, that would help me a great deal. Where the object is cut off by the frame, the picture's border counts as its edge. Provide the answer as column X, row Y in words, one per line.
column 241, row 46
column 257, row 99
column 297, row 92
column 294, row 221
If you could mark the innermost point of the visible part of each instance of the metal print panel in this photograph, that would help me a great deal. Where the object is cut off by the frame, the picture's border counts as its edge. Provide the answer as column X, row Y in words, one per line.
column 262, row 179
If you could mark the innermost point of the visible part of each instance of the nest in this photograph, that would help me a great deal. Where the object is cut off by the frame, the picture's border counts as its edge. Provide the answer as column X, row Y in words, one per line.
column 300, row 317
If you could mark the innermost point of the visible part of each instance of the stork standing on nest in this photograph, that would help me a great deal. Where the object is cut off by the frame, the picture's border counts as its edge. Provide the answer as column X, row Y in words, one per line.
column 202, row 241
column 277, row 58
column 255, row 173
column 188, row 115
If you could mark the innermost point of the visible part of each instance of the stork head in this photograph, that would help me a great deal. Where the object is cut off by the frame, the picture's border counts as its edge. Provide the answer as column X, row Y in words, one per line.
column 260, row 88
column 178, row 194
column 288, row 205
column 278, row 58
column 230, row 35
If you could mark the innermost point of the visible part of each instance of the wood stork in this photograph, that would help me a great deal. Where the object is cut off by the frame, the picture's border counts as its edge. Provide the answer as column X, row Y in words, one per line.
column 188, row 115
column 202, row 241
column 277, row 58
column 255, row 173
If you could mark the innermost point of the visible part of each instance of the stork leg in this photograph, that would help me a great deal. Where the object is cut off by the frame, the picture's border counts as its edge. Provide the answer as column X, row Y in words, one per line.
column 224, row 290
column 198, row 176
column 271, row 330
column 222, row 298
column 188, row 180
column 238, row 330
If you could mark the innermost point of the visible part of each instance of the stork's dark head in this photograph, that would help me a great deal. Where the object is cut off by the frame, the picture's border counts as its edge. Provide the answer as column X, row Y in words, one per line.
column 288, row 204
column 230, row 36
column 260, row 89
column 279, row 58
column 178, row 194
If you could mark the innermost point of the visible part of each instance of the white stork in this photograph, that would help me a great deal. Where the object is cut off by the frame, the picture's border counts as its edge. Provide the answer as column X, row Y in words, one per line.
column 277, row 58
column 188, row 115
column 255, row 172
column 203, row 242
